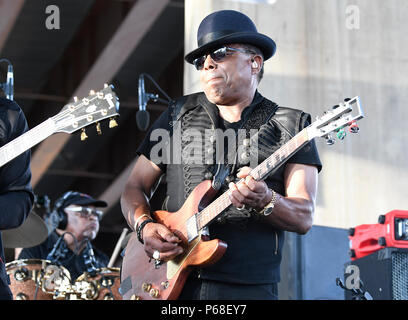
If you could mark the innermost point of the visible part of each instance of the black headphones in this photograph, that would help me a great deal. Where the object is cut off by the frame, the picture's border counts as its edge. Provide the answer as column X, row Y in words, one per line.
column 58, row 217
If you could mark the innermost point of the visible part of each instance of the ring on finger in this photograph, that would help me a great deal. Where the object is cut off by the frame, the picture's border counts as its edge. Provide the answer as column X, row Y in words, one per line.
column 156, row 255
column 242, row 208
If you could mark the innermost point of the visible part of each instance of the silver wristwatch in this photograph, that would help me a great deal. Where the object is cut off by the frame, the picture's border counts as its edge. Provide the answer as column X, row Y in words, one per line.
column 267, row 210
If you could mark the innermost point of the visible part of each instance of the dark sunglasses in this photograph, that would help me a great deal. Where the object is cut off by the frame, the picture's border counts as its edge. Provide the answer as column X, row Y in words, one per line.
column 217, row 55
column 86, row 212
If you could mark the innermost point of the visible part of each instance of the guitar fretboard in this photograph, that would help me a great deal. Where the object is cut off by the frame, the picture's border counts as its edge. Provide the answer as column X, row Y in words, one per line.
column 26, row 141
column 260, row 172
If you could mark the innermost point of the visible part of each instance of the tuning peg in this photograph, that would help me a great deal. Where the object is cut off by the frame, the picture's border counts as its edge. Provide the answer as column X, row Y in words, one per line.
column 112, row 123
column 353, row 127
column 98, row 128
column 92, row 92
column 329, row 140
column 335, row 107
column 341, row 134
column 347, row 99
column 105, row 85
column 75, row 99
column 83, row 135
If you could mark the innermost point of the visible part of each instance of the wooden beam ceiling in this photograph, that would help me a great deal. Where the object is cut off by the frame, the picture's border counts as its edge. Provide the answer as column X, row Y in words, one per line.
column 9, row 11
column 137, row 23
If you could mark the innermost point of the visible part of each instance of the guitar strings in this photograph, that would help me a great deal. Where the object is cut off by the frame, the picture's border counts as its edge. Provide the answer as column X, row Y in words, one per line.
column 76, row 107
column 10, row 150
column 61, row 115
column 258, row 173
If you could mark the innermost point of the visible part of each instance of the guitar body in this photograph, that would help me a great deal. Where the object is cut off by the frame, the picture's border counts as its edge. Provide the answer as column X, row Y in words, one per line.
column 142, row 280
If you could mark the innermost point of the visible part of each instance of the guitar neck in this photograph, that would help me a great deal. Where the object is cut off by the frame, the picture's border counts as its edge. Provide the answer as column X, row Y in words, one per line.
column 212, row 211
column 26, row 141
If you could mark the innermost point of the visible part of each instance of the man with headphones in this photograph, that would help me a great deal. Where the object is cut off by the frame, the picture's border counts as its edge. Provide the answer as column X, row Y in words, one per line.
column 76, row 222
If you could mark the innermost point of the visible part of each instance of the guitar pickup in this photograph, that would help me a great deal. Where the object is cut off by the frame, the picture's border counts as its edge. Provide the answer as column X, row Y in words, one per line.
column 192, row 229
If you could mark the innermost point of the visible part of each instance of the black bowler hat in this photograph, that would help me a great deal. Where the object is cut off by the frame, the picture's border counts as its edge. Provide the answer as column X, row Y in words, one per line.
column 229, row 26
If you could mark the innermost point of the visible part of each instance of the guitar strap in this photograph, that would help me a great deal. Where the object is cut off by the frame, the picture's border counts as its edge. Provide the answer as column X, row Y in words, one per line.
column 258, row 117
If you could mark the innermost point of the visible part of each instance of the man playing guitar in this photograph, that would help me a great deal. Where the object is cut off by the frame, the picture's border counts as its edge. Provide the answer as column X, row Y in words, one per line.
column 229, row 58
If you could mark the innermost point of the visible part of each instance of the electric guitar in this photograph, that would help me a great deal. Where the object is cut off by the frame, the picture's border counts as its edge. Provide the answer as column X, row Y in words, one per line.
column 145, row 280
column 72, row 117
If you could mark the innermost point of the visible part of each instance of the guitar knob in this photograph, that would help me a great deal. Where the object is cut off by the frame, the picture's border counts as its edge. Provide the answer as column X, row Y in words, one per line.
column 146, row 286
column 112, row 123
column 329, row 140
column 98, row 128
column 341, row 134
column 83, row 135
column 154, row 293
column 353, row 127
column 134, row 297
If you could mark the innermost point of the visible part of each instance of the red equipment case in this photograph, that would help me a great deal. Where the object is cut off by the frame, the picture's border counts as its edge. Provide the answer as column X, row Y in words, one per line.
column 390, row 231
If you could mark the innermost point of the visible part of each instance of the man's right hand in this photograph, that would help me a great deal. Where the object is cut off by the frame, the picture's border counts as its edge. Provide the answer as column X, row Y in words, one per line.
column 158, row 237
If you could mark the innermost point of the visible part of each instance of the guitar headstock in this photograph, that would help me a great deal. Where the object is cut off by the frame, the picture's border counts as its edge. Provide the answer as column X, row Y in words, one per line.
column 79, row 114
column 345, row 114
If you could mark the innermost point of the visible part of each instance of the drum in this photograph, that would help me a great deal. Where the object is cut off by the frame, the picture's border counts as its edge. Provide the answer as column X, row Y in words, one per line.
column 104, row 285
column 36, row 279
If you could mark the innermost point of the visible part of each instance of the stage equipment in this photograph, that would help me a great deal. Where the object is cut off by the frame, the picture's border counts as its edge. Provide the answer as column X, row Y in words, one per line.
column 142, row 116
column 354, row 293
column 60, row 249
column 104, row 285
column 390, row 231
column 89, row 258
column 35, row 279
column 34, row 229
column 384, row 274
column 118, row 246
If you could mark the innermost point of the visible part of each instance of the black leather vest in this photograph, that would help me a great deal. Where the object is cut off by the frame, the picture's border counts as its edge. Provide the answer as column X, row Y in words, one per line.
column 196, row 121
